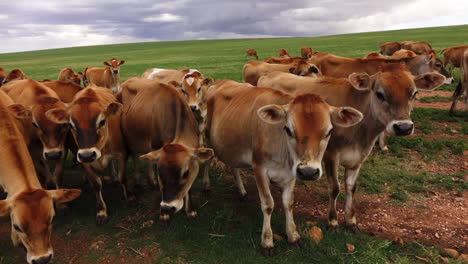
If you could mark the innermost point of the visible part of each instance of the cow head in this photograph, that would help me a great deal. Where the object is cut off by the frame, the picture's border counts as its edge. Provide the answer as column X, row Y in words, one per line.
column 392, row 92
column 307, row 123
column 76, row 78
column 15, row 74
column 178, row 167
column 194, row 88
column 303, row 68
column 428, row 63
column 114, row 66
column 88, row 119
column 31, row 215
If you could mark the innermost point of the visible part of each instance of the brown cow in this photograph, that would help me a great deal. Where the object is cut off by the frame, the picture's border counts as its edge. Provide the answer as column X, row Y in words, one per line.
column 462, row 88
column 66, row 90
column 94, row 118
column 159, row 118
column 47, row 139
column 253, row 70
column 67, row 74
column 306, row 52
column 283, row 53
column 14, row 75
column 108, row 77
column 419, row 47
column 388, row 48
column 275, row 60
column 385, row 99
column 453, row 55
column 403, row 53
column 251, row 52
column 2, row 75
column 282, row 137
column 374, row 55
column 30, row 207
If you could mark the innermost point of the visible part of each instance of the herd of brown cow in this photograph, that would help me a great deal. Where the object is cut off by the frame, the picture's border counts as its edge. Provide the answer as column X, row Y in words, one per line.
column 290, row 115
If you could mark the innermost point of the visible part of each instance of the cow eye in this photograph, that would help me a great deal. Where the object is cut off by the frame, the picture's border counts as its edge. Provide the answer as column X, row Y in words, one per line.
column 288, row 131
column 414, row 95
column 102, row 123
column 330, row 132
column 380, row 96
column 17, row 228
column 185, row 175
column 199, row 89
column 438, row 65
column 35, row 125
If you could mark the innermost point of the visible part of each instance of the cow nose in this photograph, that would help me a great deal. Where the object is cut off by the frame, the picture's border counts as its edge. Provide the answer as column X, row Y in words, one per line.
column 168, row 209
column 87, row 156
column 194, row 107
column 403, row 129
column 42, row 260
column 307, row 173
column 116, row 71
column 53, row 155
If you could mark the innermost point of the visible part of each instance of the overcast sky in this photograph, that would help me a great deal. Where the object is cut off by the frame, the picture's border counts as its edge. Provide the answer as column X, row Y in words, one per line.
column 46, row 24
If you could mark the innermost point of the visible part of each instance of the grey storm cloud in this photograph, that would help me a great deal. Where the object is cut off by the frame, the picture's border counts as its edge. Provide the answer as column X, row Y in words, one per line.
column 57, row 23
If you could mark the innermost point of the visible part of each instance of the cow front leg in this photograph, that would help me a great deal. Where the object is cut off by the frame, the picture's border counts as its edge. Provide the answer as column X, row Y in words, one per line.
column 240, row 183
column 288, row 205
column 151, row 175
column 267, row 204
column 206, row 176
column 351, row 176
column 189, row 208
column 96, row 184
column 331, row 170
column 136, row 170
column 383, row 147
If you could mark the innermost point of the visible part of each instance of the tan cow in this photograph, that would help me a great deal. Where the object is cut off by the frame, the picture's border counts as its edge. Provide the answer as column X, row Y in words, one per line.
column 385, row 98
column 462, row 87
column 403, row 53
column 283, row 53
column 306, row 52
column 453, row 55
column 159, row 123
column 388, row 48
column 251, row 52
column 108, row 77
column 66, row 90
column 67, row 74
column 419, row 47
column 275, row 60
column 374, row 55
column 14, row 75
column 282, row 137
column 94, row 118
column 253, row 70
column 47, row 139
column 30, row 207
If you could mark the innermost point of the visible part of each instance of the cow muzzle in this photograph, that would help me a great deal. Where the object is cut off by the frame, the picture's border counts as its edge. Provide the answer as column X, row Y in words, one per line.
column 53, row 154
column 42, row 259
column 194, row 107
column 308, row 172
column 401, row 127
column 88, row 155
column 172, row 207
column 115, row 71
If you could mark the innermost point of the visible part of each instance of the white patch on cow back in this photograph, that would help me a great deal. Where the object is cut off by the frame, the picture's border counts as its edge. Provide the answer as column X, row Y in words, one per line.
column 154, row 72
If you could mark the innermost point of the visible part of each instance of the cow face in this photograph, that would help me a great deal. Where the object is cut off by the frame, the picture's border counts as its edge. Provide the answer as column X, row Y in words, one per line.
column 114, row 66
column 393, row 90
column 305, row 69
column 76, row 78
column 307, row 124
column 177, row 169
column 88, row 120
column 31, row 215
column 430, row 63
column 194, row 87
column 15, row 74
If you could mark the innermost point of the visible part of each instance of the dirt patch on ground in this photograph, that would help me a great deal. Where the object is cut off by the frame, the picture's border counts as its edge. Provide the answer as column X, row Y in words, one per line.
column 438, row 105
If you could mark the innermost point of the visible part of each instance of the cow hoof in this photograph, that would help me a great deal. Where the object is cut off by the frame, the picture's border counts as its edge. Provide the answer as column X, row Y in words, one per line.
column 385, row 149
column 298, row 243
column 354, row 228
column 267, row 252
column 243, row 197
column 102, row 219
column 192, row 214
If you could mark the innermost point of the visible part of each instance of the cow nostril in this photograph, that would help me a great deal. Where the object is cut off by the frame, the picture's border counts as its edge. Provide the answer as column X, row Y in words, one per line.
column 87, row 156
column 42, row 260
column 193, row 107
column 403, row 129
column 116, row 71
column 307, row 173
column 53, row 155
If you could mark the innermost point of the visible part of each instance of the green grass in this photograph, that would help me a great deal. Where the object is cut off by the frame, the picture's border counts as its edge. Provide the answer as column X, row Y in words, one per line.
column 226, row 230
column 435, row 98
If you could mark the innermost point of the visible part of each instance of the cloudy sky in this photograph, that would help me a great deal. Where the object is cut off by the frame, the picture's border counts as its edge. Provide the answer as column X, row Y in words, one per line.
column 45, row 24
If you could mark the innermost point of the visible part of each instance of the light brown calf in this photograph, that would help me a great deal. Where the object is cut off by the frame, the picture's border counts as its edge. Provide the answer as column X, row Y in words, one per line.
column 253, row 70
column 108, row 77
column 374, row 55
column 65, row 90
column 419, row 47
column 283, row 53
column 403, row 53
column 306, row 52
column 388, row 48
column 251, row 52
column 462, row 88
column 282, row 137
column 30, row 207
column 94, row 118
column 67, row 74
column 384, row 98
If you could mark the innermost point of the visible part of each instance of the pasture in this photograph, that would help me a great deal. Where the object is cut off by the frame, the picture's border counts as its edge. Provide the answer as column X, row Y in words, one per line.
column 411, row 202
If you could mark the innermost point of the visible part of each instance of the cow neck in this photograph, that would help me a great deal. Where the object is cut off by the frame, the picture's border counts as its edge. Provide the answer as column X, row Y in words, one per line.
column 187, row 127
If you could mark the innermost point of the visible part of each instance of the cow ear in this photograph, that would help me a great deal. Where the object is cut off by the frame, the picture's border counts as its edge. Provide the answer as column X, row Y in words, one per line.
column 19, row 111
column 272, row 114
column 429, row 81
column 291, row 70
column 345, row 116
column 207, row 81
column 64, row 195
column 113, row 109
column 204, row 154
column 4, row 207
column 58, row 115
column 360, row 81
column 106, row 63
column 152, row 156
column 175, row 84
column 122, row 62
column 314, row 69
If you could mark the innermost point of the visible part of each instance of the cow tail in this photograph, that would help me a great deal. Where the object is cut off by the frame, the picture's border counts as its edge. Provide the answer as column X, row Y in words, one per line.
column 458, row 91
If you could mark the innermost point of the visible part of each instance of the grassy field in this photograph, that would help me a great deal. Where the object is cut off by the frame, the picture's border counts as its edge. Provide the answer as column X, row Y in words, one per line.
column 228, row 230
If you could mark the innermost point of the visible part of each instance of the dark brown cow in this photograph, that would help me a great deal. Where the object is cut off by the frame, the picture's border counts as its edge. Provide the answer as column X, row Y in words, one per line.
column 30, row 207
column 453, row 55
column 462, row 88
column 385, row 98
column 306, row 52
column 388, row 48
column 283, row 53
column 282, row 137
column 419, row 47
column 108, row 77
column 159, row 123
column 94, row 118
column 67, row 74
column 251, row 52
column 253, row 70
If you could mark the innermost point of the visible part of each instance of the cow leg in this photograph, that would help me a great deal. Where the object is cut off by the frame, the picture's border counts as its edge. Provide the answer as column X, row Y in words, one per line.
column 383, row 147
column 96, row 183
column 59, row 168
column 240, row 184
column 456, row 95
column 136, row 170
column 267, row 204
column 351, row 176
column 122, row 176
column 331, row 170
column 151, row 175
column 288, row 204
column 189, row 210
column 206, row 176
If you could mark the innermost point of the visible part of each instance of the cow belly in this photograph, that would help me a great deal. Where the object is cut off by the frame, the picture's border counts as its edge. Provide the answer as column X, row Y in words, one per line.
column 279, row 175
column 351, row 157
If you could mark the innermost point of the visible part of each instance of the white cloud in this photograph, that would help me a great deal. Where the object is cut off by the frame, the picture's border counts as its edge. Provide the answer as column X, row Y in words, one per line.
column 165, row 17
column 2, row 16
